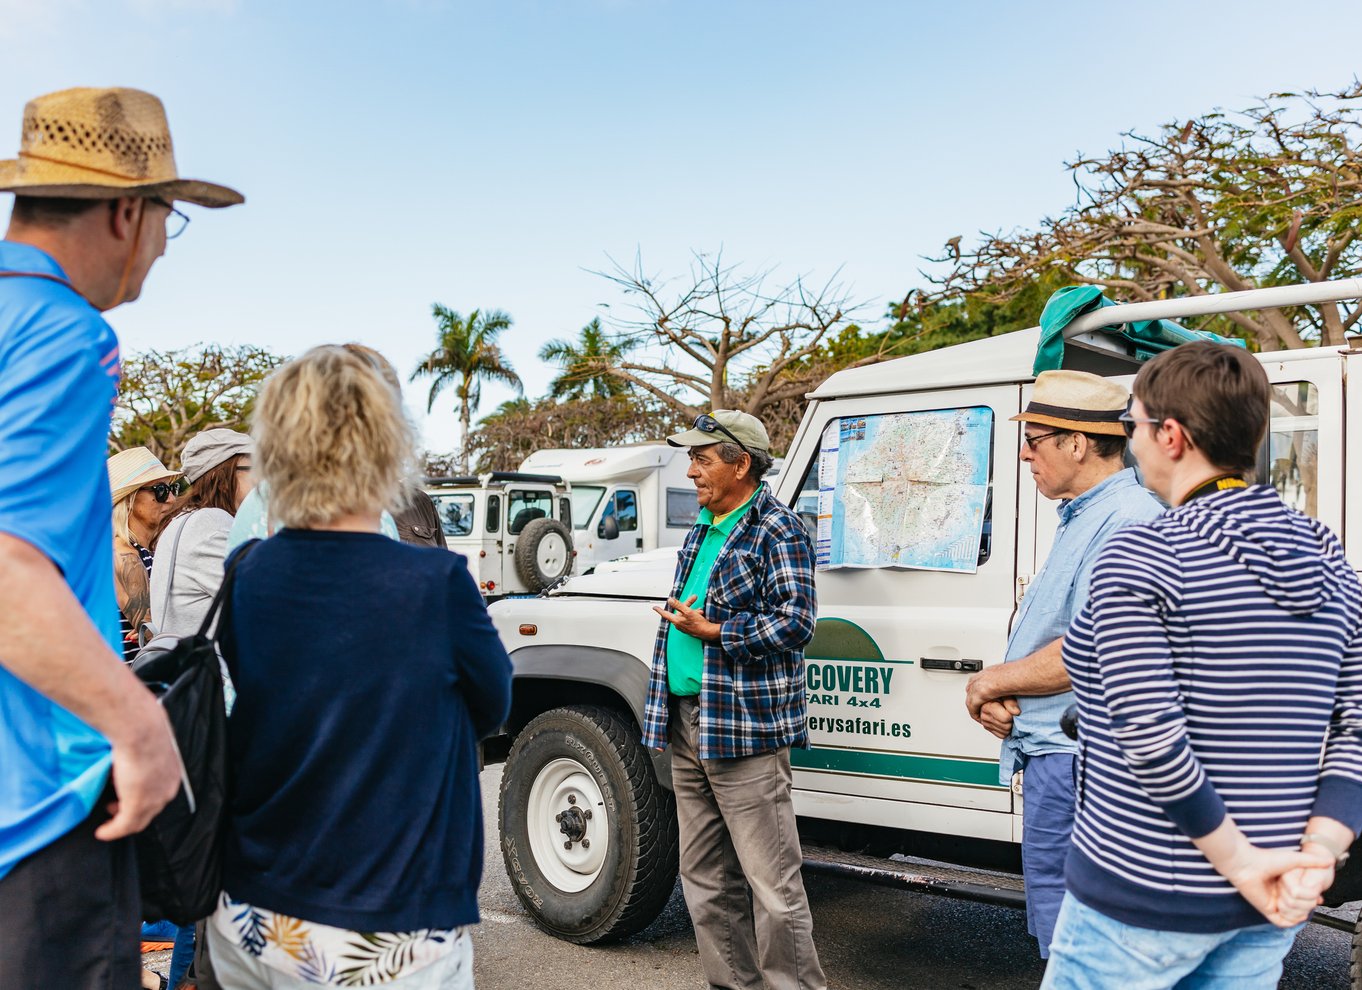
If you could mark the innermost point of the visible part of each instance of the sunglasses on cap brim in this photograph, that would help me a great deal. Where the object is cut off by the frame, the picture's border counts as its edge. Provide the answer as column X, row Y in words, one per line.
column 706, row 423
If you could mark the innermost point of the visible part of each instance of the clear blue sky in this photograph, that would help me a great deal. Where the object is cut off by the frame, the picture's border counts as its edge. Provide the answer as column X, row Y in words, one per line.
column 398, row 153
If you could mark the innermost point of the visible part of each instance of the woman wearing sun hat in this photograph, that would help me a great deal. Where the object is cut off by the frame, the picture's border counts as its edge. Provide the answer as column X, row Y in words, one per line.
column 144, row 492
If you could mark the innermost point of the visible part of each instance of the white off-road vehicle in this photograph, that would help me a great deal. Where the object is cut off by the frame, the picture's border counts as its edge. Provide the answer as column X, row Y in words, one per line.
column 907, row 475
column 515, row 528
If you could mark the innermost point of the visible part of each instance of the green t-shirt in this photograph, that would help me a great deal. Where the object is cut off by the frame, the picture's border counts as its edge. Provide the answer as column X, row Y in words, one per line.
column 685, row 653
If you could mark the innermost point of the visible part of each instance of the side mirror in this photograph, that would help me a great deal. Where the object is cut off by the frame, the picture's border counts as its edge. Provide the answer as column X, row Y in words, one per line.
column 609, row 529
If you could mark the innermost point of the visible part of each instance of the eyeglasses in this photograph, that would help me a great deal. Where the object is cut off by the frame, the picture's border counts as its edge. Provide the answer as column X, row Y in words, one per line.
column 161, row 491
column 1032, row 441
column 706, row 423
column 176, row 222
column 1129, row 422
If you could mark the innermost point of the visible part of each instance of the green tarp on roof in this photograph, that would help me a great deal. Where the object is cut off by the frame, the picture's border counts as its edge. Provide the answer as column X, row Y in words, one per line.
column 1148, row 337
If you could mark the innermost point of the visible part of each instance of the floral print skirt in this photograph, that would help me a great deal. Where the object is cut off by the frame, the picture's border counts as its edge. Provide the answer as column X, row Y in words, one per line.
column 320, row 955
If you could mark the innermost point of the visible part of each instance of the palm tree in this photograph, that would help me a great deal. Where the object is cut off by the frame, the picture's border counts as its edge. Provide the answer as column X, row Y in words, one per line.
column 586, row 364
column 465, row 356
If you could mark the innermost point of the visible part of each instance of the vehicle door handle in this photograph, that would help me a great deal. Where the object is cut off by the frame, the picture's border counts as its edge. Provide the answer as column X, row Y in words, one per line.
column 963, row 666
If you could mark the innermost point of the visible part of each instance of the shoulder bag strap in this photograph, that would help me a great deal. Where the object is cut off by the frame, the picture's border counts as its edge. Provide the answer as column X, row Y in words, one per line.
column 47, row 275
column 224, row 592
column 174, row 549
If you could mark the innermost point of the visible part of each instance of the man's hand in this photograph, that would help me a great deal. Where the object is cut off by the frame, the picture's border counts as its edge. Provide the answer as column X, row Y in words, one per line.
column 979, row 691
column 1281, row 883
column 690, row 621
column 996, row 716
column 146, row 775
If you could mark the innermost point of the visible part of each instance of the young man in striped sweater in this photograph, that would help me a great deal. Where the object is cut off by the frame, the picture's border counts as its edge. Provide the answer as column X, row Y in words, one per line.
column 1219, row 654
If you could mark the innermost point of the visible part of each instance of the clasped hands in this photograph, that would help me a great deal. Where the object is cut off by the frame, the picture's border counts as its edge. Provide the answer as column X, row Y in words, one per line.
column 690, row 621
column 993, row 712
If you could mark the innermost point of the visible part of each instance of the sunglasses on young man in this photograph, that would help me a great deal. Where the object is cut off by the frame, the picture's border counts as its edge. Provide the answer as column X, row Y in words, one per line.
column 1129, row 422
column 706, row 423
column 162, row 490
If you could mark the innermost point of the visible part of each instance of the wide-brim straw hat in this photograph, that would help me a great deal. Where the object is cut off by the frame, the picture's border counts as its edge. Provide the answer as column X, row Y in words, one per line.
column 1076, row 400
column 100, row 144
column 133, row 468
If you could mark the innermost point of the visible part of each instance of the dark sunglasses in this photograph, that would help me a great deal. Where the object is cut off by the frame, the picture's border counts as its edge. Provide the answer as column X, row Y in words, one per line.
column 161, row 491
column 706, row 423
column 1129, row 422
column 1032, row 441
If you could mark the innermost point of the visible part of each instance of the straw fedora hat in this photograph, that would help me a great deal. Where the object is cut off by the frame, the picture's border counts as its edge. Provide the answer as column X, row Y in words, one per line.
column 130, row 469
column 1076, row 400
column 100, row 144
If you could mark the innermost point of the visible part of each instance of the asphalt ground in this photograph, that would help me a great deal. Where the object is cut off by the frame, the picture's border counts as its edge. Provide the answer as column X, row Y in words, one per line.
column 868, row 938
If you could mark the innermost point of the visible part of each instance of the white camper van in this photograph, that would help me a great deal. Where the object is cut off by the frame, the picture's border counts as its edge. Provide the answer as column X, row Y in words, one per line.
column 624, row 499
column 906, row 611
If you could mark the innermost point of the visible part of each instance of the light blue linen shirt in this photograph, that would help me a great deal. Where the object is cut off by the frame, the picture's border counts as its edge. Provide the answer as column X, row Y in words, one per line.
column 1055, row 596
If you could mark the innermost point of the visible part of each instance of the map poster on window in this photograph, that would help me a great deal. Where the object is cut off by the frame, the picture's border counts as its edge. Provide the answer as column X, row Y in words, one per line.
column 904, row 490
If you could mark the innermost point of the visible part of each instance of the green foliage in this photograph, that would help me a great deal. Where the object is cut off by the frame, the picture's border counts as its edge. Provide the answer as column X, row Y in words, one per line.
column 166, row 397
column 465, row 356
column 586, row 363
column 519, row 428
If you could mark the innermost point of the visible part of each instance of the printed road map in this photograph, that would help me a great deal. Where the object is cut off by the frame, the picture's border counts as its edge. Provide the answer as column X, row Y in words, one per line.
column 904, row 490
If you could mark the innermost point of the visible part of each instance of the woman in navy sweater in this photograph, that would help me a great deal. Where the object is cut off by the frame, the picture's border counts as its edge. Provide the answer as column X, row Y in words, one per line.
column 366, row 672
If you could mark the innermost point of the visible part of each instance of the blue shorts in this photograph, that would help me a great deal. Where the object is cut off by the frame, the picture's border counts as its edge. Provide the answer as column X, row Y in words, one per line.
column 1091, row 950
column 1047, row 824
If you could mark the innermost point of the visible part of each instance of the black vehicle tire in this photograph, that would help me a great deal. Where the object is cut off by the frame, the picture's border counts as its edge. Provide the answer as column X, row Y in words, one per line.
column 1355, row 971
column 567, row 762
column 543, row 553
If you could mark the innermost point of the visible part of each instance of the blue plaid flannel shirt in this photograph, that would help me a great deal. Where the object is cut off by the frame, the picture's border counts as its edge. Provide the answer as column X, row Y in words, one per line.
column 762, row 593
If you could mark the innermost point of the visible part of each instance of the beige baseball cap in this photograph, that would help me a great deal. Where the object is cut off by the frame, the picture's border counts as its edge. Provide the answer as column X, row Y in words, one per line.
column 724, row 425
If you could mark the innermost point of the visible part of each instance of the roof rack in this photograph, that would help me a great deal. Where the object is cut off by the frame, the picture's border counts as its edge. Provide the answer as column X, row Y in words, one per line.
column 1215, row 302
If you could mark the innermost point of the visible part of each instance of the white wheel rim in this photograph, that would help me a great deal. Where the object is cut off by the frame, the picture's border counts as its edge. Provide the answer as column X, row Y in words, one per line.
column 564, row 787
column 551, row 555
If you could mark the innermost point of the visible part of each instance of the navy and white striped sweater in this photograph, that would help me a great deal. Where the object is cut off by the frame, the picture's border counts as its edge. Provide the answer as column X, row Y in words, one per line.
column 1219, row 653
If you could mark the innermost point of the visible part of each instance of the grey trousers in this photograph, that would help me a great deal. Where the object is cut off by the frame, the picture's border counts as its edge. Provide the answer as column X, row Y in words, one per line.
column 740, row 861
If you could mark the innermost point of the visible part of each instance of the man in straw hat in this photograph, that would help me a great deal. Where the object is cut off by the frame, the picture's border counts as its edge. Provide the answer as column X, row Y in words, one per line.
column 95, row 185
column 1073, row 441
column 727, row 694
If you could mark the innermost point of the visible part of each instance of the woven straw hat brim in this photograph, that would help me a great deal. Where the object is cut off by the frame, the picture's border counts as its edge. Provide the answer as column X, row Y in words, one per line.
column 41, row 178
column 1044, row 419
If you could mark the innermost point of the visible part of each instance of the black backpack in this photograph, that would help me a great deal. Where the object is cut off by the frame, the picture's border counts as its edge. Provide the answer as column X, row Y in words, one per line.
column 179, row 854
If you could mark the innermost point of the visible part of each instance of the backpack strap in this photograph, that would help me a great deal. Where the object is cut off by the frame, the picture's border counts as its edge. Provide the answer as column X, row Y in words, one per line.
column 220, row 600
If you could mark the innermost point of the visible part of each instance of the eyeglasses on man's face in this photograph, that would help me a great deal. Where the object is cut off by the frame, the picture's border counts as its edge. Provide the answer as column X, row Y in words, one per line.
column 162, row 490
column 1032, row 439
column 706, row 423
column 1129, row 422
column 176, row 222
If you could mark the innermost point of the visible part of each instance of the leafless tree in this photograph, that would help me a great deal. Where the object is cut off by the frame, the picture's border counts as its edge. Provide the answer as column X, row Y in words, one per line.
column 1226, row 201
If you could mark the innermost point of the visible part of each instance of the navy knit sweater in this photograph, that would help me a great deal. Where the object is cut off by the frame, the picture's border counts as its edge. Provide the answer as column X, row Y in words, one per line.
column 1219, row 655
column 366, row 671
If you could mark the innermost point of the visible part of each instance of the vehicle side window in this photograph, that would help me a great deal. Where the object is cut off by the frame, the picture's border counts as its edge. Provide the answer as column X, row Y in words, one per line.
column 626, row 510
column 910, row 489
column 523, row 506
column 1289, row 458
column 456, row 513
column 493, row 513
column 565, row 511
column 683, row 507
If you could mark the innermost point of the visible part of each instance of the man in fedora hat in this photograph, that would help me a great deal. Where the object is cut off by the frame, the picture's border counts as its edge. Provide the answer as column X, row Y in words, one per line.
column 1074, row 443
column 87, row 753
column 727, row 694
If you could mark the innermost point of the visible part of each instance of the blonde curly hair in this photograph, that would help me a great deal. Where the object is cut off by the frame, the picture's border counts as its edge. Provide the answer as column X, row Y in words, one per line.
column 332, row 437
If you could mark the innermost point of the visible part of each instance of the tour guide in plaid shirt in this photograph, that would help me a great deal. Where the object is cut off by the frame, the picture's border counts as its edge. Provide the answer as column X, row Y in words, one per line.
column 727, row 693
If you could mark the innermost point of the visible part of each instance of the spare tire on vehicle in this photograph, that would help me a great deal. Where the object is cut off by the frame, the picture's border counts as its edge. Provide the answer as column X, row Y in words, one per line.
column 543, row 553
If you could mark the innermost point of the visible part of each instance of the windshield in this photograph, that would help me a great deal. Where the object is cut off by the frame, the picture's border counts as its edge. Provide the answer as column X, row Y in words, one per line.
column 585, row 498
column 456, row 513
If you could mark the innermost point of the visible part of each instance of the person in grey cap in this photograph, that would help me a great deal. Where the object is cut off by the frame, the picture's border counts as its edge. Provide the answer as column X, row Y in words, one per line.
column 727, row 694
column 192, row 543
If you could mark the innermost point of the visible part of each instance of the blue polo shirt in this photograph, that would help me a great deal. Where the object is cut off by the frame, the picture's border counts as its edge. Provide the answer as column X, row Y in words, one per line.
column 58, row 380
column 1054, row 597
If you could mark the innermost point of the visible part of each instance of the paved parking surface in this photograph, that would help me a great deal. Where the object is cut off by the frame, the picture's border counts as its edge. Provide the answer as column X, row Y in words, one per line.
column 869, row 938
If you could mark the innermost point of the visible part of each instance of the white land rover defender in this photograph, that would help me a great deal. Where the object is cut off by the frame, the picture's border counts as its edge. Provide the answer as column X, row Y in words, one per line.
column 515, row 528
column 907, row 610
